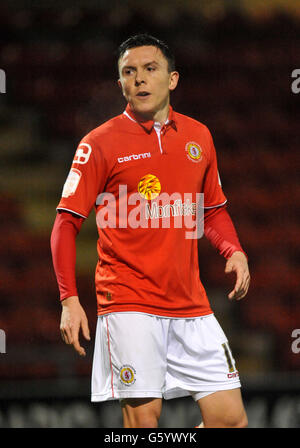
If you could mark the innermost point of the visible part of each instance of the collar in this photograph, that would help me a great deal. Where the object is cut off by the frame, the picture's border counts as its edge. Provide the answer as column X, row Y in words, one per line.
column 148, row 125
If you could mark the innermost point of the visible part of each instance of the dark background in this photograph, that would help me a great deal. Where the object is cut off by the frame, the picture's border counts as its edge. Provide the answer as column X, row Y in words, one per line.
column 235, row 60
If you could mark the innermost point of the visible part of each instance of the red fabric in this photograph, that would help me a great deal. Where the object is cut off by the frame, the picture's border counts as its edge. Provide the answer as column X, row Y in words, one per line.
column 220, row 231
column 218, row 228
column 152, row 267
column 63, row 246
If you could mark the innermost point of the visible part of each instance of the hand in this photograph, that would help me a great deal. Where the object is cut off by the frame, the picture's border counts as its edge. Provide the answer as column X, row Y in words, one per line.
column 73, row 318
column 238, row 263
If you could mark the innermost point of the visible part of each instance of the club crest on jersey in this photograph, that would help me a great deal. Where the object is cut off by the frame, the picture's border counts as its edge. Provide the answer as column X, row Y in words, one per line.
column 149, row 187
column 127, row 375
column 193, row 151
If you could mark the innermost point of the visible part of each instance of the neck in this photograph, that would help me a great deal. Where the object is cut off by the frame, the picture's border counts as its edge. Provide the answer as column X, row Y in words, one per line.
column 162, row 115
column 159, row 116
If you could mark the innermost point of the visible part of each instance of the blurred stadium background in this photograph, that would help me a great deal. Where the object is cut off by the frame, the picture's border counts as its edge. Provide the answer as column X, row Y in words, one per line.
column 235, row 59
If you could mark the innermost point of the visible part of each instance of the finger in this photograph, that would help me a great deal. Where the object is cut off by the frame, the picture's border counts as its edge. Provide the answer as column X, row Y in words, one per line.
column 228, row 268
column 80, row 350
column 66, row 334
column 63, row 336
column 85, row 329
column 246, row 285
column 240, row 294
column 232, row 294
column 240, row 291
column 237, row 287
column 236, row 295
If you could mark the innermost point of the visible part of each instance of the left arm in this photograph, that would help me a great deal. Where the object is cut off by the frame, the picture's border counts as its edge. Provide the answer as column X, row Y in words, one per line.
column 220, row 231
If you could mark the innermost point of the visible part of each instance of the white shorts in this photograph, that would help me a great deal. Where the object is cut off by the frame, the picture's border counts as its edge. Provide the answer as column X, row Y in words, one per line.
column 140, row 355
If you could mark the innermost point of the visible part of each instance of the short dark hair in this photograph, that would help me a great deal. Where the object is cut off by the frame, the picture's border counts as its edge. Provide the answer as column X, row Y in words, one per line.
column 140, row 40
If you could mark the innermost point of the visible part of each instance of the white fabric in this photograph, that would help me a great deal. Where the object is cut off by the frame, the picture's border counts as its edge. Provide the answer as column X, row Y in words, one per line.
column 140, row 355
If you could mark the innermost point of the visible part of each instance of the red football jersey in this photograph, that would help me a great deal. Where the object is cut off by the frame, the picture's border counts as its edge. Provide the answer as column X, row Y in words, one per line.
column 144, row 182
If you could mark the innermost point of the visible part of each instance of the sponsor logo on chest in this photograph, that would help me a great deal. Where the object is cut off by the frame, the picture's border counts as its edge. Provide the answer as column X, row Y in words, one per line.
column 143, row 155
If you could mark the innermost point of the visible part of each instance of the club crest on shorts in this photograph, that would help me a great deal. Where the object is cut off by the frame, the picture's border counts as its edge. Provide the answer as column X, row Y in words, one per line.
column 193, row 151
column 127, row 375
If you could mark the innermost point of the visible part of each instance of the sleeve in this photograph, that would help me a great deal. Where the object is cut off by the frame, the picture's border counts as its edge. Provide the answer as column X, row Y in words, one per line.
column 63, row 248
column 86, row 179
column 212, row 188
column 220, row 231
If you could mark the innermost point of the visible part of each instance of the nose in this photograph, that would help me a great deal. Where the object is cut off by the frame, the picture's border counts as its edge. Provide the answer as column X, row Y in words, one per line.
column 139, row 79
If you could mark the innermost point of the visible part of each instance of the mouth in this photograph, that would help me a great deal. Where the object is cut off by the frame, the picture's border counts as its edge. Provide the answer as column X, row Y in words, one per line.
column 143, row 94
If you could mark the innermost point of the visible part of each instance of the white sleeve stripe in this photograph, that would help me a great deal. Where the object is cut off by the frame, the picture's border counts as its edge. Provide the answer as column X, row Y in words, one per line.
column 72, row 211
column 218, row 205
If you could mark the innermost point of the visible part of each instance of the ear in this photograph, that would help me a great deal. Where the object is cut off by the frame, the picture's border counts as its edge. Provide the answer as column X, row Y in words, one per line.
column 121, row 87
column 174, row 77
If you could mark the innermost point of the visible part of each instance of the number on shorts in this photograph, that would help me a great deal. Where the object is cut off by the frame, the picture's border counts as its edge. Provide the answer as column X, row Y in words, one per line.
column 228, row 357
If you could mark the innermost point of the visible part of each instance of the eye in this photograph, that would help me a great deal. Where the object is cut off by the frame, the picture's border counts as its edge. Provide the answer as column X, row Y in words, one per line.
column 128, row 71
column 150, row 69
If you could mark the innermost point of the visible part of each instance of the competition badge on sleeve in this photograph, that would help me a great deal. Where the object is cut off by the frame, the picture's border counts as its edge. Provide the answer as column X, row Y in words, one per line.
column 71, row 183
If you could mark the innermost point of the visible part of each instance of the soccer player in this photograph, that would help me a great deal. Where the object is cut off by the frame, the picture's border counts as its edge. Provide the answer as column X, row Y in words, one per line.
column 144, row 173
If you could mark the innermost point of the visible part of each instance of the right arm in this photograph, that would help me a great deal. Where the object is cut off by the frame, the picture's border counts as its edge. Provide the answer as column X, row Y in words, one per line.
column 85, row 180
column 63, row 247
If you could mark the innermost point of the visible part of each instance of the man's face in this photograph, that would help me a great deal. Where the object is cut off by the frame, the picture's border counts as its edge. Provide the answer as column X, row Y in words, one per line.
column 146, row 82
